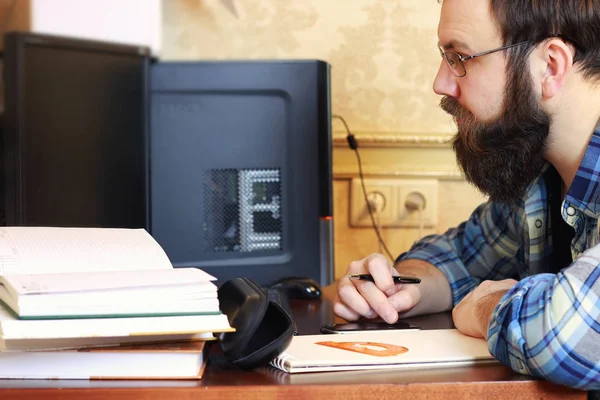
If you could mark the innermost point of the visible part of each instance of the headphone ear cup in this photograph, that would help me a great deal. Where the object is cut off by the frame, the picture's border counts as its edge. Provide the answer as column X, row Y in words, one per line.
column 263, row 329
column 272, row 336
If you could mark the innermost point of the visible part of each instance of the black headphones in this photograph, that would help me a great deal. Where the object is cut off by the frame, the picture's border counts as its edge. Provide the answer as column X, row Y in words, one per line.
column 263, row 327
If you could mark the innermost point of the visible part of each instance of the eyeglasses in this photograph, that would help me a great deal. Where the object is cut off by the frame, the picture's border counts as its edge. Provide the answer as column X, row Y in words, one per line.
column 456, row 62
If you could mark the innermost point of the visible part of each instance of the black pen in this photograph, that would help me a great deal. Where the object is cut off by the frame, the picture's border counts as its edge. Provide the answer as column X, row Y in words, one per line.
column 397, row 279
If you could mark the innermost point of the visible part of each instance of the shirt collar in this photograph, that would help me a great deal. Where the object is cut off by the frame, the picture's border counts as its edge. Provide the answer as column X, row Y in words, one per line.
column 584, row 192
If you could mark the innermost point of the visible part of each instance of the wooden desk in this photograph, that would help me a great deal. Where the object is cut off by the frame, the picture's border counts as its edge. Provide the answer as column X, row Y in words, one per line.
column 223, row 382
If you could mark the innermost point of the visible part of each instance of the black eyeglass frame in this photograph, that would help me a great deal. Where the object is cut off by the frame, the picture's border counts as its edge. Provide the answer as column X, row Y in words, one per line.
column 462, row 59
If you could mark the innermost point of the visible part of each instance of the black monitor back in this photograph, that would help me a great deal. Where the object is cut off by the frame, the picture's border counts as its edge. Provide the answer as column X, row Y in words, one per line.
column 74, row 144
column 241, row 167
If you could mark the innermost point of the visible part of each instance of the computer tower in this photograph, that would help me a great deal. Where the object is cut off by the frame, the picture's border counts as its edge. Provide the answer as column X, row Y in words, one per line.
column 240, row 167
column 226, row 163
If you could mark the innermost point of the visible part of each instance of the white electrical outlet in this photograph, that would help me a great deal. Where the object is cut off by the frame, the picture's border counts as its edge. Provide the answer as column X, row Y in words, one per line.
column 394, row 212
column 379, row 190
column 407, row 217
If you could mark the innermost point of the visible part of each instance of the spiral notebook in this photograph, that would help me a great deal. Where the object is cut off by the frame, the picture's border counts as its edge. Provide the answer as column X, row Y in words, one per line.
column 382, row 350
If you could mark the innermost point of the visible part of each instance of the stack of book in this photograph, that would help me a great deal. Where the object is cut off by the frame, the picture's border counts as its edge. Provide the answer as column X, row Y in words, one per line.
column 104, row 303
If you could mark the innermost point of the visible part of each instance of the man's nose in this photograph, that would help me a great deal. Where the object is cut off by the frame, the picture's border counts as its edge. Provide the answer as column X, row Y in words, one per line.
column 446, row 83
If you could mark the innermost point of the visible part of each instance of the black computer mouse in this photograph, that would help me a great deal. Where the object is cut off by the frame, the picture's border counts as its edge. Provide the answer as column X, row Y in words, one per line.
column 298, row 288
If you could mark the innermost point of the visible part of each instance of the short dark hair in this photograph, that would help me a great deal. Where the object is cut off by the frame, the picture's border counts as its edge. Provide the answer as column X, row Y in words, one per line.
column 577, row 21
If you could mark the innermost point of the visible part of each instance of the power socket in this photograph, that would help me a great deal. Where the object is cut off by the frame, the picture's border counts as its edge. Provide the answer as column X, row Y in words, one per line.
column 395, row 192
column 377, row 191
column 408, row 217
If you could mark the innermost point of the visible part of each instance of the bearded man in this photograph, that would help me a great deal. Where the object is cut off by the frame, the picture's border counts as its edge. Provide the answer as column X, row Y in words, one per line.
column 521, row 79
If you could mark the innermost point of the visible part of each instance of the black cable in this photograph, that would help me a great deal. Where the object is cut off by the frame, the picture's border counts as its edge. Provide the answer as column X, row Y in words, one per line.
column 354, row 146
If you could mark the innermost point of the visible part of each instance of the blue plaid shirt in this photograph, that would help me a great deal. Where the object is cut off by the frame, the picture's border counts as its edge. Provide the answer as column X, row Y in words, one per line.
column 548, row 325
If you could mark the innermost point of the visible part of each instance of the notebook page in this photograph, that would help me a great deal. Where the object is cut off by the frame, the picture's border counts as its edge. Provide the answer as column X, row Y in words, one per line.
column 34, row 250
column 186, row 280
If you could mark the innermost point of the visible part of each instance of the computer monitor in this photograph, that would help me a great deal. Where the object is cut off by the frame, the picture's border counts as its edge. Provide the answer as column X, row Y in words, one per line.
column 73, row 136
column 240, row 164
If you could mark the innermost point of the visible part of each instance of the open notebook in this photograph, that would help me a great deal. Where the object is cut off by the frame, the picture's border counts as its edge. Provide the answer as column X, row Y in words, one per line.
column 60, row 272
column 382, row 350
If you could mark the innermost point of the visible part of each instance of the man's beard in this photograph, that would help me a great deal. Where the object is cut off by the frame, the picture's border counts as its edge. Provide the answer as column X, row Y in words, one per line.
column 502, row 158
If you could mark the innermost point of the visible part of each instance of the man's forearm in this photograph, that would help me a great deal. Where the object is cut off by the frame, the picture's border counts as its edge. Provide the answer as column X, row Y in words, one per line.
column 435, row 292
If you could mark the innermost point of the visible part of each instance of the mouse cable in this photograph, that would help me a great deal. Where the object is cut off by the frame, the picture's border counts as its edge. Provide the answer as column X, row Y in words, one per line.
column 353, row 144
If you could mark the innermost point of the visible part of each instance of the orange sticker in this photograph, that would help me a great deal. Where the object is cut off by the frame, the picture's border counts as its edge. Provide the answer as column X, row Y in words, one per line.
column 370, row 348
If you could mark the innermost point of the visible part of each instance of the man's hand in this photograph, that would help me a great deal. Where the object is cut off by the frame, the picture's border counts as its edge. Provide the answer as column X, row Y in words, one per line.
column 472, row 315
column 384, row 298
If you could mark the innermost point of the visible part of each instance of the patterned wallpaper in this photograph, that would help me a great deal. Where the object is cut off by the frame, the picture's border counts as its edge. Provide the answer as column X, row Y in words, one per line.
column 382, row 52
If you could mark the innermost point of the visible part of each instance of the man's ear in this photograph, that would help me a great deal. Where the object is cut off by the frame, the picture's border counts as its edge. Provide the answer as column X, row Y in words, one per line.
column 557, row 56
